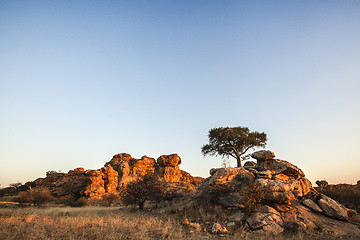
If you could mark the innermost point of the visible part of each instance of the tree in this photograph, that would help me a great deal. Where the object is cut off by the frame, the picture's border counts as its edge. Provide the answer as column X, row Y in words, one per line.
column 149, row 188
column 322, row 183
column 15, row 185
column 233, row 142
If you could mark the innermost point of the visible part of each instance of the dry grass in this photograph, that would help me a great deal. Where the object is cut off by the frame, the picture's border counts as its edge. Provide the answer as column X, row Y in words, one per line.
column 83, row 223
column 105, row 223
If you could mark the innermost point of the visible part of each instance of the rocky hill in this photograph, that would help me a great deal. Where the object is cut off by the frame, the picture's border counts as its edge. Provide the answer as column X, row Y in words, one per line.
column 271, row 196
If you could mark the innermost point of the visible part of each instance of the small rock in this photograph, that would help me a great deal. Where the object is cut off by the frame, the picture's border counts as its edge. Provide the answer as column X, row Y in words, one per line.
column 185, row 222
column 351, row 212
column 195, row 226
column 218, row 229
column 28, row 219
column 231, row 224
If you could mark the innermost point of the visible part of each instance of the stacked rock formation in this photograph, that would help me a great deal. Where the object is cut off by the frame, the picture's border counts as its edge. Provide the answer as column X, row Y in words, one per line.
column 166, row 167
column 288, row 201
column 282, row 180
column 115, row 175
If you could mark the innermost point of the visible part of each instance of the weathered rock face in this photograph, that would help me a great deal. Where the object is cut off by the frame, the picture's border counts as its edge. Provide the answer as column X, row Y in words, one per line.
column 266, row 219
column 79, row 182
column 130, row 169
column 332, row 208
column 166, row 167
column 116, row 174
column 311, row 205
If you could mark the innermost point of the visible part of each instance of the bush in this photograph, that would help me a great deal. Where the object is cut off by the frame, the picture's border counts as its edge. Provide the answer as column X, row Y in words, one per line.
column 110, row 198
column 213, row 194
column 253, row 197
column 37, row 196
column 149, row 188
column 81, row 202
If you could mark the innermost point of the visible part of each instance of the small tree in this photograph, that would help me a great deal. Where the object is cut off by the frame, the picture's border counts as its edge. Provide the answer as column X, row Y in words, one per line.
column 149, row 188
column 322, row 183
column 233, row 142
column 15, row 185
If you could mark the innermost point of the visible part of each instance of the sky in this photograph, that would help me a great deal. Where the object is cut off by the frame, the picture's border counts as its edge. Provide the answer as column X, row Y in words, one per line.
column 81, row 81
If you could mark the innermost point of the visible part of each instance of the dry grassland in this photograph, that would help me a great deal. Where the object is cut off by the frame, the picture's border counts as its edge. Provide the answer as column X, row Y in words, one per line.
column 103, row 223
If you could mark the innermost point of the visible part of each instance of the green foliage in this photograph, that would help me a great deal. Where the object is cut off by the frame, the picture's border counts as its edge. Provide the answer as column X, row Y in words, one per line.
column 149, row 188
column 234, row 142
column 37, row 196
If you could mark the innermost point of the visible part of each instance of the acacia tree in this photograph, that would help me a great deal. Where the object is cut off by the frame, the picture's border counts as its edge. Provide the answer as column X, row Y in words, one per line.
column 233, row 142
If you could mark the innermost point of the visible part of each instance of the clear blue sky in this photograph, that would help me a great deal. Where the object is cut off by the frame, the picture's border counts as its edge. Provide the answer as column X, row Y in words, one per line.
column 83, row 80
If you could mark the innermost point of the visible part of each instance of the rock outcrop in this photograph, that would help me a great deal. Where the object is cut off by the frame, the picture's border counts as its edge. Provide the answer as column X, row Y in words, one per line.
column 285, row 198
column 116, row 174
column 166, row 167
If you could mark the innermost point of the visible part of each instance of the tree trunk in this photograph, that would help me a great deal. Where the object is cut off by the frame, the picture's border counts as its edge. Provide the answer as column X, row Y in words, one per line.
column 141, row 205
column 238, row 159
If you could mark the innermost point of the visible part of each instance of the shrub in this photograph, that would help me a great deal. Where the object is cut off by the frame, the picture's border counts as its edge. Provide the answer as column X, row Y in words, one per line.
column 149, row 188
column 253, row 197
column 37, row 196
column 213, row 193
column 110, row 198
column 80, row 202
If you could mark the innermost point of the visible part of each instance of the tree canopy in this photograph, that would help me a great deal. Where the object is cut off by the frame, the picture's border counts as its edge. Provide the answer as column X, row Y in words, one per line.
column 233, row 142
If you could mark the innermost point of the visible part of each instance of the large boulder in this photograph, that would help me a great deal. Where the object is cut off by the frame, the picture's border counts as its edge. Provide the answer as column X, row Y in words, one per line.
column 332, row 208
column 263, row 155
column 282, row 192
column 171, row 160
column 311, row 205
column 267, row 219
column 225, row 175
column 277, row 166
